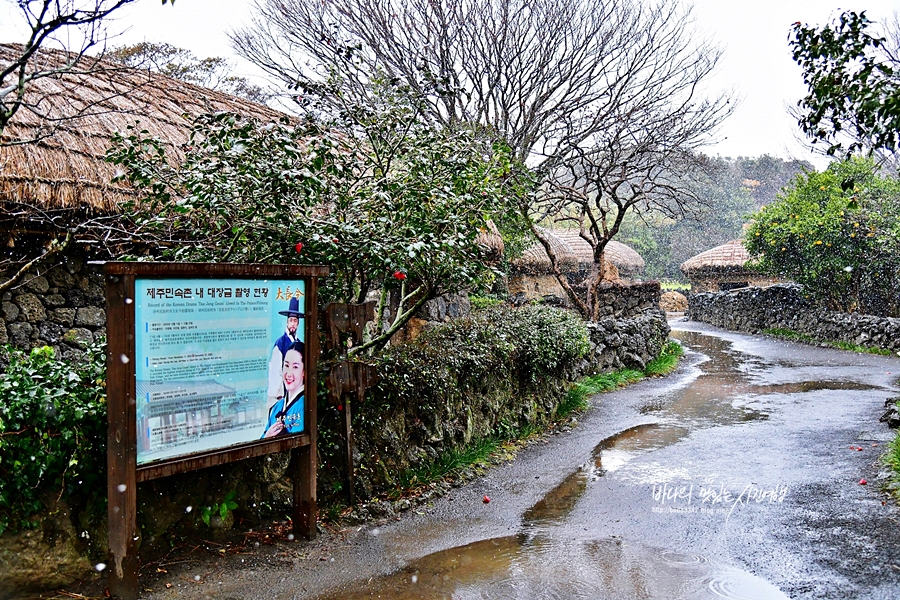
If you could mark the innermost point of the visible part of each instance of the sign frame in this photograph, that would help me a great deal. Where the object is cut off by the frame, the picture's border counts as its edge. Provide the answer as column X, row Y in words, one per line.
column 123, row 471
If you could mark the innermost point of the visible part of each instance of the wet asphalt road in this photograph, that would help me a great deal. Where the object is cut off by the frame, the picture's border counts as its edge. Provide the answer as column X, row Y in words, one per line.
column 738, row 476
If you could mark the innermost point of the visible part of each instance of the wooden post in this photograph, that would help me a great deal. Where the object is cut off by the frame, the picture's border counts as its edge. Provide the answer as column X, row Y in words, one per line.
column 304, row 458
column 348, row 449
column 122, row 451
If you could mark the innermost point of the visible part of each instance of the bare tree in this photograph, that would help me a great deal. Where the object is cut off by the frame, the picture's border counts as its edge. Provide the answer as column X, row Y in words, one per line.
column 603, row 98
column 76, row 26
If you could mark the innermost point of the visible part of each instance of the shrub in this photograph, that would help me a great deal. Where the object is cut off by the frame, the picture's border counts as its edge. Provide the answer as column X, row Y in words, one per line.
column 52, row 431
column 838, row 234
column 528, row 343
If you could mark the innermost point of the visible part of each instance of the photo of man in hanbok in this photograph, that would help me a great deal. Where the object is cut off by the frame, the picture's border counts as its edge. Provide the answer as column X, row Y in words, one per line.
column 290, row 336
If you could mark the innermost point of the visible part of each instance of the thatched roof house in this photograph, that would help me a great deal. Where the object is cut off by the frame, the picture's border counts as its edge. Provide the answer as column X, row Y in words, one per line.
column 531, row 277
column 535, row 261
column 576, row 256
column 624, row 257
column 722, row 268
column 67, row 124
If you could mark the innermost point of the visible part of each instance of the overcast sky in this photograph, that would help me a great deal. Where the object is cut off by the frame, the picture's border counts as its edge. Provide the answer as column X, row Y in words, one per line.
column 757, row 65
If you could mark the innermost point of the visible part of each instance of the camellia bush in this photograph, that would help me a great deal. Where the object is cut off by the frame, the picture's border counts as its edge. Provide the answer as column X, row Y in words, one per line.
column 52, row 432
column 838, row 234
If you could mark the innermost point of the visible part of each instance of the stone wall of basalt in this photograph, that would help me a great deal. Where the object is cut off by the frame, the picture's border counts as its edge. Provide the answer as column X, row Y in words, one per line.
column 62, row 306
column 784, row 306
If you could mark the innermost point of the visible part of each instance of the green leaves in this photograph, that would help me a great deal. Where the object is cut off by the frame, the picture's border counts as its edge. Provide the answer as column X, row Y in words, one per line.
column 369, row 190
column 220, row 509
column 52, row 430
column 836, row 233
column 854, row 85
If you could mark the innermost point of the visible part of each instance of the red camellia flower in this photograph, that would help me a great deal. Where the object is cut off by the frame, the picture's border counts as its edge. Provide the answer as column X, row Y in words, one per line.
column 299, row 246
column 399, row 275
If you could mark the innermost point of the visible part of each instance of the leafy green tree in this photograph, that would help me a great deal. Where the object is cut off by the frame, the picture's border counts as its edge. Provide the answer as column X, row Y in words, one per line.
column 213, row 73
column 853, row 77
column 386, row 200
column 838, row 234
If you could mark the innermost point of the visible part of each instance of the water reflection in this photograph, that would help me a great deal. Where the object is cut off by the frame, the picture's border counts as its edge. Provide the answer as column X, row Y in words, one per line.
column 537, row 567
column 539, row 562
column 609, row 455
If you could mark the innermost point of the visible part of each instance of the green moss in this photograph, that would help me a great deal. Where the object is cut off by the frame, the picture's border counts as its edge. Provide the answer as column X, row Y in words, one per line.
column 479, row 302
column 790, row 334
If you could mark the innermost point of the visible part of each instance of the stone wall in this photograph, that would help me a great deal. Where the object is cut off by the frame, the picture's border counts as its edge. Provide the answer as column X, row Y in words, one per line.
column 627, row 343
column 783, row 306
column 626, row 301
column 63, row 307
column 406, row 436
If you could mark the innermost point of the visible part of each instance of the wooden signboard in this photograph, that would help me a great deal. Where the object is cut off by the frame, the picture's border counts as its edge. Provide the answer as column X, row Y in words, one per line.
column 208, row 364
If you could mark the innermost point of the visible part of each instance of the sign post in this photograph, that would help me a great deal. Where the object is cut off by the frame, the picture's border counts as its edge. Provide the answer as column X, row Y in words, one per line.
column 208, row 364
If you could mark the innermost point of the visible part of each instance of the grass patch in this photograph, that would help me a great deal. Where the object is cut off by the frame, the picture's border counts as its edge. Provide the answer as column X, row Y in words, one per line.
column 892, row 460
column 790, row 334
column 577, row 398
column 674, row 286
column 448, row 463
column 666, row 362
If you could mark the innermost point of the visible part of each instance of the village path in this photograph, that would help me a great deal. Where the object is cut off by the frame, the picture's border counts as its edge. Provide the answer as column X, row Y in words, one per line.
column 738, row 476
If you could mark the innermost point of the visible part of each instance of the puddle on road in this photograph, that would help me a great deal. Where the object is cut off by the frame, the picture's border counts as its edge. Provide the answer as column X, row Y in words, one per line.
column 714, row 398
column 609, row 455
column 523, row 567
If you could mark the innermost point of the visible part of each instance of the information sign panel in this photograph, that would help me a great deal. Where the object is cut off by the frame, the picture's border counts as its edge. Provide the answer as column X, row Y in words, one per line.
column 210, row 363
column 207, row 364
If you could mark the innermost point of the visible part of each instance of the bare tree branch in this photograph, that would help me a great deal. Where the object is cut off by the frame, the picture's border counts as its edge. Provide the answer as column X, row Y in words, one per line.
column 601, row 97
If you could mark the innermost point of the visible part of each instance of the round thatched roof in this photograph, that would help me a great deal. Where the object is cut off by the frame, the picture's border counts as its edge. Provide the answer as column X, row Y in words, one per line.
column 575, row 254
column 625, row 258
column 66, row 167
column 535, row 259
column 727, row 257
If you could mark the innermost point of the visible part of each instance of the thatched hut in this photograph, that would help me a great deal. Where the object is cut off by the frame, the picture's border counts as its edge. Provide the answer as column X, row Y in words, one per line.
column 531, row 277
column 53, row 176
column 722, row 268
column 629, row 263
column 52, row 155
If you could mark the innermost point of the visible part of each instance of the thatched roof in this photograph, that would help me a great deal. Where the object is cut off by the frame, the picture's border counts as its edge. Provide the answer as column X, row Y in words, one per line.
column 67, row 170
column 728, row 257
column 575, row 254
column 490, row 242
column 535, row 259
column 624, row 257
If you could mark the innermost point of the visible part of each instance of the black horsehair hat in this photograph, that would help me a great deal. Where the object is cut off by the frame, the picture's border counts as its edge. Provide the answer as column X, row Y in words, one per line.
column 293, row 309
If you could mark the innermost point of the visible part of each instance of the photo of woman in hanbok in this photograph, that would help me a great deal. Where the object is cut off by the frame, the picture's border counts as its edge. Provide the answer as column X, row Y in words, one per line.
column 286, row 415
